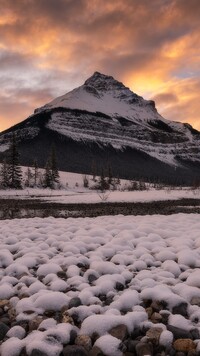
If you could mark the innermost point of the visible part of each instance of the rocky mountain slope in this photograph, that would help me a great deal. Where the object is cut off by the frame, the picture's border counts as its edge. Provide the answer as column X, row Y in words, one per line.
column 103, row 123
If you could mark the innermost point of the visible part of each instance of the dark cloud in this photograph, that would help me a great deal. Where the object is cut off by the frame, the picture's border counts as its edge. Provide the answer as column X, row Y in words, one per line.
column 165, row 98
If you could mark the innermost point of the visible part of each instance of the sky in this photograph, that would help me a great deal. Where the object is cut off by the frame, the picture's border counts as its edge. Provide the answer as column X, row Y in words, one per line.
column 49, row 47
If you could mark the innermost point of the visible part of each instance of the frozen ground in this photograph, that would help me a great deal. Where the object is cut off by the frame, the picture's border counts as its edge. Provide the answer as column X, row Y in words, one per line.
column 84, row 277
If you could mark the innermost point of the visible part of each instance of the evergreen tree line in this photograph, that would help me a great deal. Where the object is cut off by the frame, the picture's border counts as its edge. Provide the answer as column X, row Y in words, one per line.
column 11, row 173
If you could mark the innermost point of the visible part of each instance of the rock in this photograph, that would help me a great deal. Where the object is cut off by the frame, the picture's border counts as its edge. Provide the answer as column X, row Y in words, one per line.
column 85, row 341
column 143, row 349
column 62, row 275
column 72, row 337
column 137, row 332
column 95, row 352
column 179, row 333
column 74, row 302
column 74, row 350
column 157, row 305
column 131, row 345
column 92, row 278
column 165, row 317
column 49, row 313
column 5, row 320
column 4, row 302
column 23, row 323
column 149, row 312
column 3, row 330
column 156, row 318
column 35, row 323
column 195, row 334
column 195, row 301
column 12, row 314
column 184, row 345
column 153, row 335
column 119, row 331
column 192, row 353
column 181, row 309
column 119, row 286
column 36, row 352
column 66, row 318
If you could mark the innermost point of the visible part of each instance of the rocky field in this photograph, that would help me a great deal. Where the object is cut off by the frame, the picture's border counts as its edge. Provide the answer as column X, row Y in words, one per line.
column 110, row 285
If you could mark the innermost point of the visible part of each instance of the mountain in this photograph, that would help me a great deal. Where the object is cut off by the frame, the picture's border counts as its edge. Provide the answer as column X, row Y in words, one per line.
column 104, row 124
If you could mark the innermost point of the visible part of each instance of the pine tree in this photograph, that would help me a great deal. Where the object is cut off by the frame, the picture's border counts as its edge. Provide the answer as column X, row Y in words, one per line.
column 4, row 183
column 48, row 176
column 14, row 170
column 35, row 173
column 29, row 176
column 103, row 185
column 54, row 168
column 110, row 176
column 51, row 176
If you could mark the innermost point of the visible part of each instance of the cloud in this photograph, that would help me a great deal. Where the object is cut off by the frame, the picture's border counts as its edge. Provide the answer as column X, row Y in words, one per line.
column 165, row 98
column 53, row 46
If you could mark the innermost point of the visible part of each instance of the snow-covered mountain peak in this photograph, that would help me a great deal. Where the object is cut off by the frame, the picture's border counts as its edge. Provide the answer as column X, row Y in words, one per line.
column 103, row 93
column 104, row 83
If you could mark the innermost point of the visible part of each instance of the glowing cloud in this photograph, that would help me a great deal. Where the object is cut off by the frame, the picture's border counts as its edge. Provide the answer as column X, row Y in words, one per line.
column 48, row 47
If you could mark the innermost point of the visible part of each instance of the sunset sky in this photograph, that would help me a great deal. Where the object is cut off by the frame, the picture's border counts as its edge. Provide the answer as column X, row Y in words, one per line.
column 48, row 47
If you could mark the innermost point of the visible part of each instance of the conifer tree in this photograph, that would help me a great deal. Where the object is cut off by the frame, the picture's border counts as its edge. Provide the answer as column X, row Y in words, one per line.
column 54, row 168
column 14, row 169
column 29, row 176
column 35, row 172
column 48, row 183
column 51, row 176
column 4, row 183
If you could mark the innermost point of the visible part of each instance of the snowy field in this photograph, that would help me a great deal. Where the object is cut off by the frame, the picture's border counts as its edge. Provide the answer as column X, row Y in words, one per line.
column 113, row 284
column 74, row 192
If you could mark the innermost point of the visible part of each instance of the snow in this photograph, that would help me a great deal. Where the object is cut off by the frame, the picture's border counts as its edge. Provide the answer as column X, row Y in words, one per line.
column 144, row 255
column 76, row 195
column 166, row 338
column 109, row 345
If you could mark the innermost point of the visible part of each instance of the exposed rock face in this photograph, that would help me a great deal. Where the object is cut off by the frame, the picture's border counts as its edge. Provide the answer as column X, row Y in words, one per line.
column 110, row 125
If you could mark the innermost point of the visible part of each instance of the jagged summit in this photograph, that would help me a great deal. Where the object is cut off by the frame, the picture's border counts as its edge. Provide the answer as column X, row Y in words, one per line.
column 102, row 93
column 104, row 82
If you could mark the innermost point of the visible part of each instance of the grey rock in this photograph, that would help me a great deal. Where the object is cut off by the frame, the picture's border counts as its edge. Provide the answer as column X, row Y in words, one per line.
column 119, row 286
column 36, row 352
column 74, row 302
column 92, row 278
column 131, row 345
column 179, row 333
column 181, row 309
column 195, row 334
column 62, row 275
column 74, row 350
column 143, row 349
column 95, row 352
column 3, row 330
column 72, row 336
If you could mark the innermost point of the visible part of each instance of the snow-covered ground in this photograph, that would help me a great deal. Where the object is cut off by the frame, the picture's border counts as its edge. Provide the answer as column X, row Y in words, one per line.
column 89, row 275
column 74, row 192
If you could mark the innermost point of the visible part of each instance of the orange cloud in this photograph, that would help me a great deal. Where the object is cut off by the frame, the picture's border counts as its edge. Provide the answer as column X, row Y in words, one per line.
column 51, row 46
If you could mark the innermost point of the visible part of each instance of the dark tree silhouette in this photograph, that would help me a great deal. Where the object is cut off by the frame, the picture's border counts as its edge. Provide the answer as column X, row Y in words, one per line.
column 14, row 169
